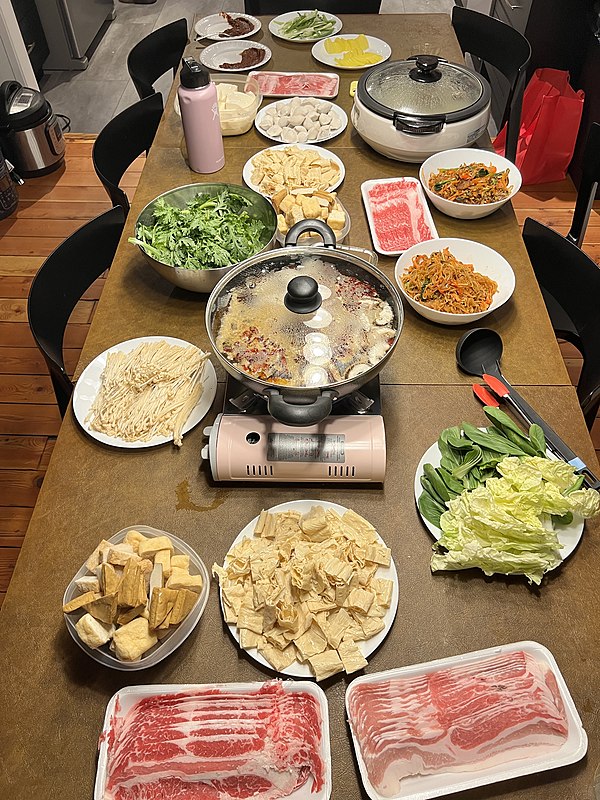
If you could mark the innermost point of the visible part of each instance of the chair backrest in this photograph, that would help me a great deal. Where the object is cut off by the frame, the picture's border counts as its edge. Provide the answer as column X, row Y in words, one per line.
column 588, row 186
column 60, row 283
column 156, row 54
column 258, row 7
column 504, row 48
column 122, row 140
column 572, row 279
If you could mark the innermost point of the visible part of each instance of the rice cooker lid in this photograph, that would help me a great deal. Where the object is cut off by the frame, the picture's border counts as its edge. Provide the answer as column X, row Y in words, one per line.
column 423, row 87
column 22, row 108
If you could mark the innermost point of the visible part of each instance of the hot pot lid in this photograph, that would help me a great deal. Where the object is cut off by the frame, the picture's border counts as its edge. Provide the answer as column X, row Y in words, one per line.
column 423, row 86
column 303, row 317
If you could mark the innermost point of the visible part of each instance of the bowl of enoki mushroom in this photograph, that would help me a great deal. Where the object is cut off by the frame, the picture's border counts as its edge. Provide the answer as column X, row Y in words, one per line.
column 454, row 281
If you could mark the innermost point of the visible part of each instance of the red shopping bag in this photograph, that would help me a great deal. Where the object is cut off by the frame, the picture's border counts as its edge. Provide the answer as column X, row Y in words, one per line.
column 549, row 124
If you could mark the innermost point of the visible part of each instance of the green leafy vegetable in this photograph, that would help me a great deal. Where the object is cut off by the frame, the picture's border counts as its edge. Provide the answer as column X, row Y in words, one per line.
column 211, row 231
column 504, row 526
column 312, row 25
column 538, row 439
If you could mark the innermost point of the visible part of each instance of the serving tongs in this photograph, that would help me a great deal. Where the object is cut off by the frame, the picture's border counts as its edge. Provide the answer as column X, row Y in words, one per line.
column 478, row 352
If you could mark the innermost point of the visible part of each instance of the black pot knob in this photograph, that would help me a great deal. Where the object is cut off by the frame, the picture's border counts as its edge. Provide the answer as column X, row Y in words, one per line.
column 302, row 296
column 426, row 70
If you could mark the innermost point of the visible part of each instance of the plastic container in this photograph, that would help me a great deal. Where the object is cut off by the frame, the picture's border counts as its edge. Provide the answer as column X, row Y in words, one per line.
column 173, row 638
column 237, row 121
column 125, row 698
column 423, row 787
column 200, row 118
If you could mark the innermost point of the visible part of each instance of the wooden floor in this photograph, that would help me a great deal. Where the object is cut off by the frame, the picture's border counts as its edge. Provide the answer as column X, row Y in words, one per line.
column 50, row 209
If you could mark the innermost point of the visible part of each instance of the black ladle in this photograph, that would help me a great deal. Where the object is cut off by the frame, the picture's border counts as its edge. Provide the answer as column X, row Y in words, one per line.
column 478, row 352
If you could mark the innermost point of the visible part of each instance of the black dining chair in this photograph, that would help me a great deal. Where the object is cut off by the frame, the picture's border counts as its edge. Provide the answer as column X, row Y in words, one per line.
column 570, row 284
column 258, row 7
column 60, row 283
column 493, row 42
column 155, row 55
column 122, row 140
column 587, row 187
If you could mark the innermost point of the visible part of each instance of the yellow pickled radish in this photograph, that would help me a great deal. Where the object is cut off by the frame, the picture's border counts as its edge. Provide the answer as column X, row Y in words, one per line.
column 352, row 50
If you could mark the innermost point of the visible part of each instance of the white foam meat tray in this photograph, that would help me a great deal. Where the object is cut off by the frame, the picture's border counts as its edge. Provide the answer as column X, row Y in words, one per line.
column 425, row 787
column 364, row 189
column 120, row 703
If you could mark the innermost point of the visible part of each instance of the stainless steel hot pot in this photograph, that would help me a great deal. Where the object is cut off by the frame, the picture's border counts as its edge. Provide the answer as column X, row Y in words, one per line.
column 351, row 312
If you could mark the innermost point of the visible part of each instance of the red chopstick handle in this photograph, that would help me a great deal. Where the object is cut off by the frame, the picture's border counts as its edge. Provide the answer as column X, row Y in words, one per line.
column 496, row 385
column 486, row 398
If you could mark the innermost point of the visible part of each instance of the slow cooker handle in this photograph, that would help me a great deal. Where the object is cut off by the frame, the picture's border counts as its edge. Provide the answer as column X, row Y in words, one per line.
column 300, row 415
column 316, row 225
column 7, row 90
column 418, row 126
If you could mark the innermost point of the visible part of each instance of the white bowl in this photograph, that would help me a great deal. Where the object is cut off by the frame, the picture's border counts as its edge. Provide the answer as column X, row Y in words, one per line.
column 485, row 261
column 467, row 155
column 173, row 638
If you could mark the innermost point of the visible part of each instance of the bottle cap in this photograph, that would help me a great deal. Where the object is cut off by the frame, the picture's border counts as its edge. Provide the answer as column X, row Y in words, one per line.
column 193, row 75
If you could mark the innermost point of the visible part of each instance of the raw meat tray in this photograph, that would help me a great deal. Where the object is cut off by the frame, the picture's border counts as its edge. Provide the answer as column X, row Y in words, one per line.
column 263, row 76
column 125, row 698
column 377, row 226
column 425, row 787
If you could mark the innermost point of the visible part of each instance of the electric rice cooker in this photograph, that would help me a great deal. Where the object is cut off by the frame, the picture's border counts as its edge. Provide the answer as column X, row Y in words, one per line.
column 30, row 133
column 409, row 110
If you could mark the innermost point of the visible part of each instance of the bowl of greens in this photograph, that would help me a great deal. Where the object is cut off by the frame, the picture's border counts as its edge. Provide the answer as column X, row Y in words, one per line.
column 193, row 235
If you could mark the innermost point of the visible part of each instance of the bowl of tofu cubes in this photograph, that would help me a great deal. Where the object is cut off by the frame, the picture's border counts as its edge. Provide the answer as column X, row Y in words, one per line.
column 138, row 597
column 294, row 205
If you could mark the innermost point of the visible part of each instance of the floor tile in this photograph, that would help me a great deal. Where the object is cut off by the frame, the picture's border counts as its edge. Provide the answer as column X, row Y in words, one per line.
column 191, row 8
column 128, row 98
column 90, row 104
column 392, row 7
column 109, row 61
column 429, row 6
column 137, row 12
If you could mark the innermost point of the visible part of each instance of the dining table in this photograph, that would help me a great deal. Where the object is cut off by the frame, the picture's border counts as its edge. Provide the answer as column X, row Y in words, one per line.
column 53, row 696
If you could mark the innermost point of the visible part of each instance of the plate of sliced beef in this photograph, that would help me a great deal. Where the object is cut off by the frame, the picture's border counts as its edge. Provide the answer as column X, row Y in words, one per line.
column 227, row 741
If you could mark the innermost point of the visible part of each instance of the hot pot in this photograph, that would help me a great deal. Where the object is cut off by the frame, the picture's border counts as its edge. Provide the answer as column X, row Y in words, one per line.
column 409, row 110
column 304, row 326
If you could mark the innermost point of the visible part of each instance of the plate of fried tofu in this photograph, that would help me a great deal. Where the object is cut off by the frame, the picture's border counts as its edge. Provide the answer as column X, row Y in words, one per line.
column 138, row 596
column 297, row 204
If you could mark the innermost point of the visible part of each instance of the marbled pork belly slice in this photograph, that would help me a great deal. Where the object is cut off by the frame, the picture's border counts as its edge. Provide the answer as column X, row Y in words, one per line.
column 265, row 743
column 398, row 213
column 459, row 718
column 510, row 698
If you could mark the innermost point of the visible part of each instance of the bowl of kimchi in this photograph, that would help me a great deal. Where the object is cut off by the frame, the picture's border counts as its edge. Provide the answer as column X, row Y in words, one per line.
column 469, row 184
column 454, row 281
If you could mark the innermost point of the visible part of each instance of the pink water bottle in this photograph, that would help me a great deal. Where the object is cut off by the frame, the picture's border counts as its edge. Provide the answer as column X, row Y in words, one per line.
column 200, row 116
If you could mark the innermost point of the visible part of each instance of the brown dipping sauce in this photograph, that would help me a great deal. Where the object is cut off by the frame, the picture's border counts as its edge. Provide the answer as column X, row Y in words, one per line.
column 249, row 58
